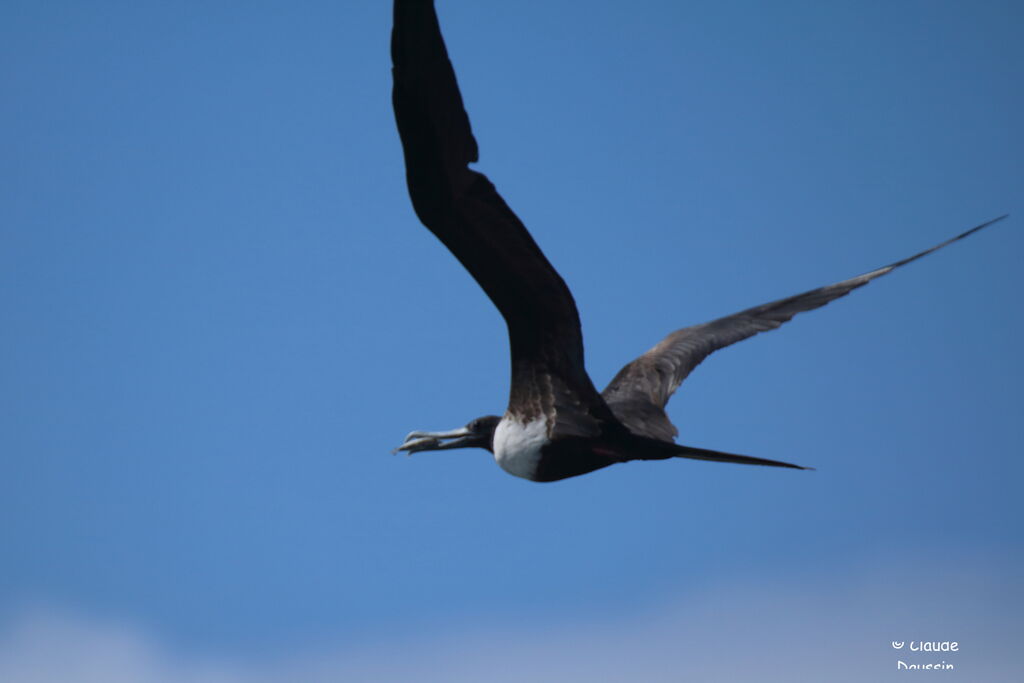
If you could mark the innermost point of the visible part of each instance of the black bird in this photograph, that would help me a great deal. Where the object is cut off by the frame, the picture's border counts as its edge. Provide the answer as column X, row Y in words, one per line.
column 556, row 425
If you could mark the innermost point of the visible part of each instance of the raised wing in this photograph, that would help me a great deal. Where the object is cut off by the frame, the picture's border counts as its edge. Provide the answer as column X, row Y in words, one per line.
column 461, row 207
column 638, row 393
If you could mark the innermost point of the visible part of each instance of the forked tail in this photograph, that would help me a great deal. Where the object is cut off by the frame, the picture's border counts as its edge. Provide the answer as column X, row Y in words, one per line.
column 653, row 449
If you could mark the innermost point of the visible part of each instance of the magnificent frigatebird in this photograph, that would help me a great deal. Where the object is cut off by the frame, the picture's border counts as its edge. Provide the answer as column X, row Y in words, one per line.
column 556, row 425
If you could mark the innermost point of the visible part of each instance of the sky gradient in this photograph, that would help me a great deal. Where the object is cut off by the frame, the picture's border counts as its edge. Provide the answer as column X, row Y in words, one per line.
column 221, row 315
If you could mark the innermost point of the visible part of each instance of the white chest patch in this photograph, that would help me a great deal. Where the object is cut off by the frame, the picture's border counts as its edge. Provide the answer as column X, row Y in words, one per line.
column 517, row 445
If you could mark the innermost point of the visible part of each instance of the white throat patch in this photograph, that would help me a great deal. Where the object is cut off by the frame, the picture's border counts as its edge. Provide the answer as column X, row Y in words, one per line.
column 517, row 445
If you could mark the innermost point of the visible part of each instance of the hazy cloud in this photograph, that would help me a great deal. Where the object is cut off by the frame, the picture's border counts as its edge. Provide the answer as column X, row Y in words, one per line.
column 760, row 630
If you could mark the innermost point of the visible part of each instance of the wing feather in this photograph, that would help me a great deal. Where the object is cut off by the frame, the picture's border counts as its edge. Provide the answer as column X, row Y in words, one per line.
column 460, row 205
column 463, row 210
column 639, row 392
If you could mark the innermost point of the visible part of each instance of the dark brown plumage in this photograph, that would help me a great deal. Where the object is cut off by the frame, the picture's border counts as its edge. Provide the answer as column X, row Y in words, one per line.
column 557, row 425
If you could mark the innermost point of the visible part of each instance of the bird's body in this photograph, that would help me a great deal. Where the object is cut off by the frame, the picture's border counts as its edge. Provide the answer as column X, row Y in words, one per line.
column 557, row 424
column 519, row 446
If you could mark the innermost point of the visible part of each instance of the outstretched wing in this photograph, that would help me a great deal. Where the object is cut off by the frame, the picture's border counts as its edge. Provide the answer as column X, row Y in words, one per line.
column 459, row 205
column 462, row 208
column 638, row 393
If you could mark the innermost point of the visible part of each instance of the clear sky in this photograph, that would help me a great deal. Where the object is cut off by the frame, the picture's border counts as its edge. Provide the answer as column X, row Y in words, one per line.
column 220, row 315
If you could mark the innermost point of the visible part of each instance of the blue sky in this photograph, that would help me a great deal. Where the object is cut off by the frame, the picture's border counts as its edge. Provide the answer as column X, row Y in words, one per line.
column 221, row 315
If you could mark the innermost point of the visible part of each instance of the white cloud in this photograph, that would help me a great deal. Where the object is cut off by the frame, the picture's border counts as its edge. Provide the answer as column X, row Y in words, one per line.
column 45, row 647
column 760, row 630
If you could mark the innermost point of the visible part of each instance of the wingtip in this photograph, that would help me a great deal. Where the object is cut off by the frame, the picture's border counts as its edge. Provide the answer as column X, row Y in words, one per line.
column 902, row 262
column 985, row 224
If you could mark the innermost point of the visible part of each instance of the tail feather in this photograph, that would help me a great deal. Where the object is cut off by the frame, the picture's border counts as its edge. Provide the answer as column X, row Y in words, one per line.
column 644, row 448
column 718, row 456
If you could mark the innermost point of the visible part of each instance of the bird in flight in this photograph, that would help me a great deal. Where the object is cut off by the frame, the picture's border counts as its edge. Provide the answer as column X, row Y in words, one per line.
column 556, row 425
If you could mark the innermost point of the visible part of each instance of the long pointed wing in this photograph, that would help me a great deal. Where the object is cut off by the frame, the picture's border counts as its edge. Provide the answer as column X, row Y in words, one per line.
column 461, row 207
column 638, row 393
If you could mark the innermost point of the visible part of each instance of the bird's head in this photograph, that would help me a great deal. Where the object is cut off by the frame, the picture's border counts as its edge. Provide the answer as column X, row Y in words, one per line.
column 477, row 434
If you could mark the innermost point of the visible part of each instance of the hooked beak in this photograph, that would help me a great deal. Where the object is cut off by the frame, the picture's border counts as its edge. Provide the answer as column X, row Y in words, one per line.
column 434, row 441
